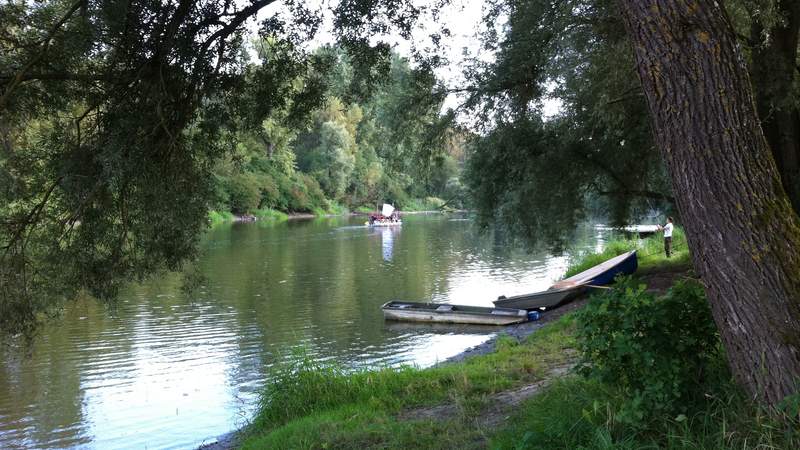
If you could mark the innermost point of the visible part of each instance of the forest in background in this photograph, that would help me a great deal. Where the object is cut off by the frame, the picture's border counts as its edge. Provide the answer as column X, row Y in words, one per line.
column 387, row 144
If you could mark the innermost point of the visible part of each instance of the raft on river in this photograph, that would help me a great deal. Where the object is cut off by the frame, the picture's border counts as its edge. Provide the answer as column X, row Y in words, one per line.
column 446, row 313
column 388, row 217
column 569, row 288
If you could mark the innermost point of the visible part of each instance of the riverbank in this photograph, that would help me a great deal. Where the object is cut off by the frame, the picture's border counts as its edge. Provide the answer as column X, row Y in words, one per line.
column 272, row 215
column 516, row 391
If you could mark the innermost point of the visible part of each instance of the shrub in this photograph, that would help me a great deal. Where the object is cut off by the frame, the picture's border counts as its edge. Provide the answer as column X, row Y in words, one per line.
column 243, row 193
column 316, row 197
column 298, row 200
column 270, row 214
column 270, row 192
column 218, row 217
column 433, row 203
column 337, row 208
column 656, row 350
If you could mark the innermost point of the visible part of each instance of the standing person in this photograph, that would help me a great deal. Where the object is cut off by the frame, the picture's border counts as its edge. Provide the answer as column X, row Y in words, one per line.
column 667, row 236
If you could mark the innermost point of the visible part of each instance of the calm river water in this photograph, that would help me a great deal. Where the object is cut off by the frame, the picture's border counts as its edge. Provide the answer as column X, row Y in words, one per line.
column 160, row 370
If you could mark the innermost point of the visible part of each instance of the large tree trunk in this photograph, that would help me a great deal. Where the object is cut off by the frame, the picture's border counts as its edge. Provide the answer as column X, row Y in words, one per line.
column 742, row 231
column 774, row 71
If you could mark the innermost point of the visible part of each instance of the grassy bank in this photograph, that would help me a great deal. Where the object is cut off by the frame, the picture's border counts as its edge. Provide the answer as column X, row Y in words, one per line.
column 333, row 209
column 578, row 413
column 650, row 254
column 266, row 214
column 308, row 405
column 218, row 217
column 478, row 403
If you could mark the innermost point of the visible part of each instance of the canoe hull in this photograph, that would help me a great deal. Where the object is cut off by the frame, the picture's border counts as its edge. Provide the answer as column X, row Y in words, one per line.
column 626, row 267
column 432, row 313
column 544, row 299
column 599, row 275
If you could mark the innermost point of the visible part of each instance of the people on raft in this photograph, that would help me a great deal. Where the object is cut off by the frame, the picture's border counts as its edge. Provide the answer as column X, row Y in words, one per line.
column 380, row 218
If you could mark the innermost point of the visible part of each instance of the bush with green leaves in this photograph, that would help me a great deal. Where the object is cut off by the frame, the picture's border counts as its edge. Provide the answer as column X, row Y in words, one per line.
column 657, row 350
column 243, row 193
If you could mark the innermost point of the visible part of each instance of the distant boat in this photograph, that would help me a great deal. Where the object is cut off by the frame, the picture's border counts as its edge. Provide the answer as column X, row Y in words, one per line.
column 388, row 223
column 388, row 217
column 446, row 313
column 569, row 288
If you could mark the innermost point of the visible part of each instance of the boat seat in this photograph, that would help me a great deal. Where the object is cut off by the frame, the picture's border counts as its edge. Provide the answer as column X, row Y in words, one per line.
column 445, row 308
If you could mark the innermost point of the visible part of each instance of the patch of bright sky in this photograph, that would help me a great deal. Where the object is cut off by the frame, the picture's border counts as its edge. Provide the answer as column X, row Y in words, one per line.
column 464, row 20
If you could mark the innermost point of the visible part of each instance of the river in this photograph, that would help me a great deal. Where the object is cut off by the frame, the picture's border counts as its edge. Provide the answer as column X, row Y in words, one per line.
column 162, row 369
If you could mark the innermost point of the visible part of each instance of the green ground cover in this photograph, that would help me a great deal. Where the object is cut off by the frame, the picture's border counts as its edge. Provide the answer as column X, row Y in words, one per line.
column 310, row 405
column 650, row 254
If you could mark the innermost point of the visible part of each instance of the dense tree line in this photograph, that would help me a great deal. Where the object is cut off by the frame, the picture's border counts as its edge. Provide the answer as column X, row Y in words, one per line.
column 390, row 145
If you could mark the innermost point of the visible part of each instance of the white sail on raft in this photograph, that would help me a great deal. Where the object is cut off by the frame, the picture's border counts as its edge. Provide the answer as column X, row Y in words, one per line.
column 387, row 210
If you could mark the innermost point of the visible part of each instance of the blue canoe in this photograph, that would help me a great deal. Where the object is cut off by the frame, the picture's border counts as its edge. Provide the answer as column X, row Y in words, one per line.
column 569, row 288
column 603, row 274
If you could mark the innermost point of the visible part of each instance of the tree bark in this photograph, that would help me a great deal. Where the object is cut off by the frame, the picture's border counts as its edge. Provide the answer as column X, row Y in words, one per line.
column 774, row 71
column 742, row 231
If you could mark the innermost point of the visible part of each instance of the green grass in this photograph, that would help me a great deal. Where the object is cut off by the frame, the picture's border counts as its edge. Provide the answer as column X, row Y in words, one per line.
column 337, row 209
column 311, row 405
column 423, row 204
column 576, row 413
column 218, row 217
column 270, row 215
column 651, row 254
column 365, row 209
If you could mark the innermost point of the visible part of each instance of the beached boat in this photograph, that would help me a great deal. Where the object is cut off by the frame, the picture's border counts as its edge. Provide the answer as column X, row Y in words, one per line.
column 544, row 299
column 446, row 313
column 569, row 288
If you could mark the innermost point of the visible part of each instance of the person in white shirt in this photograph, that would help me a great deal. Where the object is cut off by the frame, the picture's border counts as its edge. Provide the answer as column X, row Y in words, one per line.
column 667, row 236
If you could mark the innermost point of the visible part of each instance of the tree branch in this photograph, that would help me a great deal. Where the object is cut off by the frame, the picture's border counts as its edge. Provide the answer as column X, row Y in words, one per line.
column 48, row 39
column 238, row 19
column 57, row 76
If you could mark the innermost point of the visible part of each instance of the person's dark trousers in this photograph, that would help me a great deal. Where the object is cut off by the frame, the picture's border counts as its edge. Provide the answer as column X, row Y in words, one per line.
column 668, row 246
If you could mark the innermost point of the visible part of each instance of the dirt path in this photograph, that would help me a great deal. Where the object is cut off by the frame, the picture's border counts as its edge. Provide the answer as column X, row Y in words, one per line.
column 500, row 404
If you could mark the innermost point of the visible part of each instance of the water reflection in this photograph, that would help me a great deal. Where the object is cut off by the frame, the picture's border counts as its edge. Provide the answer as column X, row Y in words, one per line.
column 387, row 241
column 164, row 371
